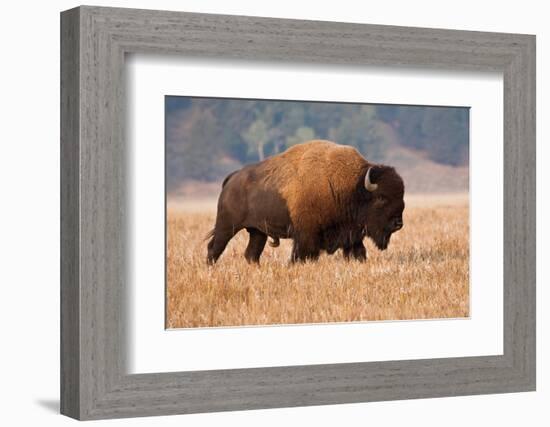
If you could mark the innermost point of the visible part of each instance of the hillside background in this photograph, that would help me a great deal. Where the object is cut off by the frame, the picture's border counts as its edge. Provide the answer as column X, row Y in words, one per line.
column 207, row 138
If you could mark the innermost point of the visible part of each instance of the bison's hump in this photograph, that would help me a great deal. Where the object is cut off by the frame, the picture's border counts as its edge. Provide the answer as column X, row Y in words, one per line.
column 315, row 179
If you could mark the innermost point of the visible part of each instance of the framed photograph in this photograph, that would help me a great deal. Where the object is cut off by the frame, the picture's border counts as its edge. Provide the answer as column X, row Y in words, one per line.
column 261, row 213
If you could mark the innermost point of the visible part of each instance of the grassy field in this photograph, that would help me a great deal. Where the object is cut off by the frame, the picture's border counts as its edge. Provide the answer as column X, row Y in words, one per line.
column 424, row 274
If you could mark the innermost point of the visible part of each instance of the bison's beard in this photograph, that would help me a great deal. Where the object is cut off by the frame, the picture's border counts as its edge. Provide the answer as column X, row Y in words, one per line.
column 381, row 240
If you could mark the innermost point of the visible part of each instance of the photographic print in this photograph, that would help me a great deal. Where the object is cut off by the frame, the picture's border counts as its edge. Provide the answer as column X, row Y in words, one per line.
column 299, row 212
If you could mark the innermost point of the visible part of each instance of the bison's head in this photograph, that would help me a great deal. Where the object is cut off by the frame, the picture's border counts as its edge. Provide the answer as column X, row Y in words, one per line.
column 385, row 206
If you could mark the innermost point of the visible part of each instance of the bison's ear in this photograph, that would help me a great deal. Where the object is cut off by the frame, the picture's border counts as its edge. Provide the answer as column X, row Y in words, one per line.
column 372, row 176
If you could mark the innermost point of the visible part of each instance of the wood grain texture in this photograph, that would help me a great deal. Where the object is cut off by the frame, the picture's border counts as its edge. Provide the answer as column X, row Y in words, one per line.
column 94, row 270
column 70, row 221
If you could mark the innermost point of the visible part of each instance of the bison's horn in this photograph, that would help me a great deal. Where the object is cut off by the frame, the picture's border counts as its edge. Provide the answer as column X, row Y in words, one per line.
column 368, row 184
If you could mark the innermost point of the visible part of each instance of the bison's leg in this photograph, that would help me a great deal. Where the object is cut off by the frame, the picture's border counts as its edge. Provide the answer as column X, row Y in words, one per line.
column 255, row 246
column 218, row 243
column 357, row 250
column 347, row 252
column 305, row 248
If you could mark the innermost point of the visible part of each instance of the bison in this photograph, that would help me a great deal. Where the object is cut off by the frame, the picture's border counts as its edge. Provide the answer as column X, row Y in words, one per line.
column 322, row 195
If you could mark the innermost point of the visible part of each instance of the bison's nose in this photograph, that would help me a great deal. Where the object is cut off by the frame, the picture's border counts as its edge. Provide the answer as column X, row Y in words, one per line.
column 398, row 224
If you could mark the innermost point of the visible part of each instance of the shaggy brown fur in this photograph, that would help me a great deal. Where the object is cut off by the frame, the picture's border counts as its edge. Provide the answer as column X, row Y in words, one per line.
column 313, row 193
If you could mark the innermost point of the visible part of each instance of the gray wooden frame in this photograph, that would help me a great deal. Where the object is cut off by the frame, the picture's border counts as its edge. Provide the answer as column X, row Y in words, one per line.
column 94, row 382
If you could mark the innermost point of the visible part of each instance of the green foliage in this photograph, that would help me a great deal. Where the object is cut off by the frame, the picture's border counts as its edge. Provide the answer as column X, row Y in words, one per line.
column 256, row 136
column 444, row 131
column 441, row 132
column 302, row 134
column 207, row 138
column 360, row 130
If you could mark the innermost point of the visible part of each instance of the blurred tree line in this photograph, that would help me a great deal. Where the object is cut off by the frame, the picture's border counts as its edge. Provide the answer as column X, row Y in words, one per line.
column 207, row 138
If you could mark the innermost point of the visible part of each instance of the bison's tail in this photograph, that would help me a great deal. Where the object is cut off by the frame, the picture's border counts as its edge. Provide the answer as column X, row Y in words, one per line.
column 274, row 242
column 209, row 235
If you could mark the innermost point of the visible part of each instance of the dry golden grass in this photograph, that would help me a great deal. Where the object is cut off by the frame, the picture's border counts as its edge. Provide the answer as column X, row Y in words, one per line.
column 424, row 274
